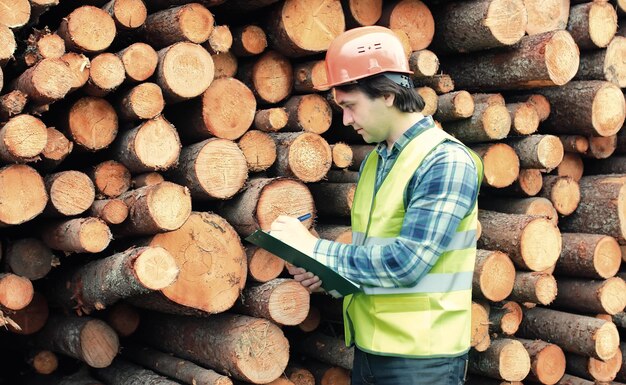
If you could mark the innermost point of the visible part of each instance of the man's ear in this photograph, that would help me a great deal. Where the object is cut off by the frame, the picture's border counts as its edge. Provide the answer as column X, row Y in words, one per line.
column 389, row 99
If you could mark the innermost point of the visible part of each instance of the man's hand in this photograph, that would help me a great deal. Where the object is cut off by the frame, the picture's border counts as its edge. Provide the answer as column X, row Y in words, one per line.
column 291, row 231
column 311, row 282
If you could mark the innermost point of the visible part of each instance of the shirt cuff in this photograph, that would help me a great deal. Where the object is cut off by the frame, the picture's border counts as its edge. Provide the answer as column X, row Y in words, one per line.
column 321, row 252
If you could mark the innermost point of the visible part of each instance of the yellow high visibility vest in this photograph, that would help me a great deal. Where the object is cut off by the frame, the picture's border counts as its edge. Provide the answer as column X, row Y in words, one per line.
column 432, row 318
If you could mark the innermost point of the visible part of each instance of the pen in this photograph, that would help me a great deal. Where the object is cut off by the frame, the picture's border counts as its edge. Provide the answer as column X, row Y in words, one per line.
column 304, row 217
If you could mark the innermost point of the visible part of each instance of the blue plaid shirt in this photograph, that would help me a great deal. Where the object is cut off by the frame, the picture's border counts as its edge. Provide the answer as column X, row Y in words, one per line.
column 442, row 192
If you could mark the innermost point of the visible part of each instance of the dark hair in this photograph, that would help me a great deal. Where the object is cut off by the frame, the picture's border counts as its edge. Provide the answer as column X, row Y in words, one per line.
column 406, row 99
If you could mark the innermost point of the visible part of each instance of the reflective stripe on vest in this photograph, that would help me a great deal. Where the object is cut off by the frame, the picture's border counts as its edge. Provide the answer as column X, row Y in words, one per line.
column 432, row 318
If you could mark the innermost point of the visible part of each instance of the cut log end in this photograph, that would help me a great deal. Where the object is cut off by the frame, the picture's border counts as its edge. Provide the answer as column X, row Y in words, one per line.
column 549, row 364
column 22, row 194
column 496, row 122
column 514, row 361
column 463, row 104
column 88, row 29
column 15, row 292
column 123, row 318
column 144, row 101
column 496, row 280
column 561, row 58
column 263, row 266
column 283, row 197
column 23, row 138
column 614, row 69
column 130, row 14
column 310, row 157
column 479, row 325
column 572, row 166
column 546, row 289
column 416, row 20
column 270, row 120
column 607, row 257
column 71, row 192
column 45, row 362
column 607, row 111
column 185, row 71
column 342, row 155
column 539, row 256
column 289, row 303
column 423, row 63
column 94, row 235
column 79, row 67
column 170, row 205
column 225, row 65
column 82, row 129
column 7, row 43
column 611, row 295
column 259, row 149
column 51, row 80
column 156, row 146
column 228, row 108
column 140, row 61
column 565, row 195
column 602, row 23
column 511, row 320
column 507, row 20
column 525, row 119
column 430, row 100
column 606, row 340
column 106, row 73
column 501, row 165
column 156, row 268
column 111, row 178
column 550, row 151
column 545, row 16
column 99, row 343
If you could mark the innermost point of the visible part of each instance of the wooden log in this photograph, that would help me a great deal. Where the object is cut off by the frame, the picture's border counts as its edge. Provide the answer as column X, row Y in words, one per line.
column 140, row 61
column 422, row 26
column 144, row 101
column 17, row 13
column 121, row 372
column 593, row 337
column 327, row 349
column 337, row 233
column 271, row 119
column 342, row 176
column 593, row 256
column 110, row 178
column 528, row 206
column 270, row 77
column 299, row 375
column 505, row 318
column 197, row 77
column 533, row 63
column 239, row 344
column 308, row 113
column 155, row 209
column 282, row 301
column 225, row 65
column 106, row 74
column 16, row 292
column 29, row 258
column 22, row 139
column 248, row 40
column 327, row 374
column 601, row 147
column 298, row 28
column 83, row 338
column 163, row 4
column 430, row 98
column 545, row 16
column 190, row 22
column 488, row 123
column 79, row 235
column 538, row 151
column 528, row 184
column 501, row 164
column 263, row 266
column 259, row 149
column 359, row 153
column 87, row 29
column 127, row 14
column 95, row 285
column 605, row 64
column 360, row 13
column 479, row 25
column 479, row 380
column 146, row 179
column 568, row 379
column 71, row 193
column 563, row 192
column 479, row 327
column 532, row 243
column 342, row 155
column 79, row 67
column 8, row 44
column 534, row 287
column 31, row 318
column 524, row 118
column 441, row 83
column 176, row 368
column 452, row 106
column 547, row 361
column 423, row 63
column 571, row 166
column 45, row 82
column 602, row 200
column 333, row 199
column 312, row 321
column 601, row 296
column 309, row 76
column 91, row 123
column 212, row 169
column 123, row 318
column 57, row 148
column 43, row 361
column 220, row 40
column 11, row 104
column 22, row 194
column 290, row 162
column 576, row 144
column 212, row 263
column 592, row 25
column 506, row 359
column 494, row 275
column 594, row 370
column 621, row 374
column 40, row 44
column 590, row 108
column 154, row 145
column 612, row 165
column 264, row 200
column 226, row 110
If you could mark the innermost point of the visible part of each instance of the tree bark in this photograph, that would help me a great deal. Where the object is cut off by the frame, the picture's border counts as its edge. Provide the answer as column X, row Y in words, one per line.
column 605, row 64
column 199, row 71
column 259, row 149
column 270, row 77
column 87, row 29
column 500, row 162
column 12, row 103
column 22, row 194
column 140, row 61
column 527, row 206
column 271, row 119
column 246, row 348
column 248, row 40
column 538, row 151
column 291, row 160
column 488, row 123
column 190, row 22
column 324, row 348
column 121, row 372
column 22, row 139
column 563, row 192
column 337, row 233
column 29, row 258
column 592, row 25
column 592, row 256
column 212, row 169
column 532, row 243
column 494, row 274
column 574, row 333
column 534, row 287
column 547, row 361
column 576, row 144
column 441, row 83
column 505, row 359
column 479, row 25
column 542, row 60
column 333, row 199
column 452, row 106
column 83, row 338
column 583, row 295
column 144, row 101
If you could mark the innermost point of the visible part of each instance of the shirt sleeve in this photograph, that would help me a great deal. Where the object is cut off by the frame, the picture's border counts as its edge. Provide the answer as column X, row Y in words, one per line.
column 439, row 196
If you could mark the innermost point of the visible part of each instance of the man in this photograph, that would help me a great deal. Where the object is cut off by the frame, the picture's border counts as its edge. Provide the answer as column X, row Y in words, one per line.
column 414, row 219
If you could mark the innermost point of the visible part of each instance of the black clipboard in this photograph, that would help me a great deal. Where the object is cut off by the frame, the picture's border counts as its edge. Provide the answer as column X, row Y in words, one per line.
column 335, row 284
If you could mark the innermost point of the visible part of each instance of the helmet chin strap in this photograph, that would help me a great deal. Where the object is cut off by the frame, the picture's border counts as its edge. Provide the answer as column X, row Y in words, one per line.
column 402, row 80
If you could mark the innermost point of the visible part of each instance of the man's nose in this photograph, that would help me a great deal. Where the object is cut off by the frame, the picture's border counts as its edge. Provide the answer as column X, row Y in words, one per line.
column 347, row 118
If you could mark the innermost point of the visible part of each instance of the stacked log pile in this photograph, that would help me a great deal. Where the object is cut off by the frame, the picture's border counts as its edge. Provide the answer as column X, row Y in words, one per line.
column 142, row 140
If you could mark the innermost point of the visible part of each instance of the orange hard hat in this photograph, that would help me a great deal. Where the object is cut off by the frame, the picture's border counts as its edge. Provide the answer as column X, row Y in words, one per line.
column 362, row 52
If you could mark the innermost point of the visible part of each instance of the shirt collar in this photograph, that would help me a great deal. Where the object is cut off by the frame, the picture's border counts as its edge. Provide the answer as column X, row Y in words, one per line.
column 416, row 129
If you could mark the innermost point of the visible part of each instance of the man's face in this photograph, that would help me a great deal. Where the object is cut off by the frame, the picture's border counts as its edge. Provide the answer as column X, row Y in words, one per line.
column 368, row 117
